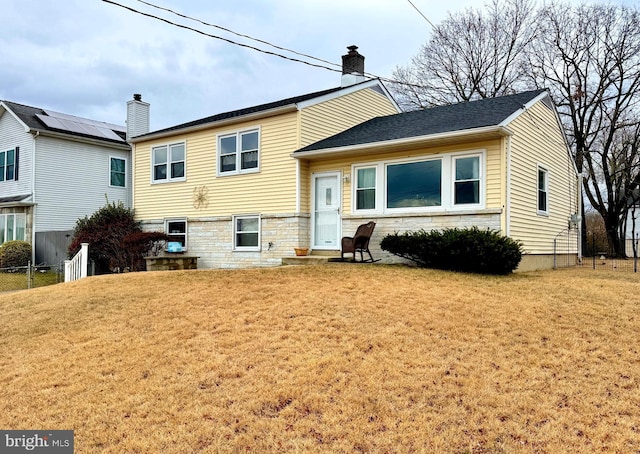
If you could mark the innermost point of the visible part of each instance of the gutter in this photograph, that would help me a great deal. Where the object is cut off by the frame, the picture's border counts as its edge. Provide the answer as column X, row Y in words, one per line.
column 215, row 123
column 406, row 141
column 103, row 143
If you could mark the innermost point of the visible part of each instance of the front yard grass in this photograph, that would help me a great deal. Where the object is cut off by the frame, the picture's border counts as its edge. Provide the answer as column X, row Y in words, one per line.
column 333, row 358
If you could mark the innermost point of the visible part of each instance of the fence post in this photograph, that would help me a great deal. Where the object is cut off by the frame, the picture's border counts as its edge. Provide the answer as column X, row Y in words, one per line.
column 84, row 259
column 555, row 264
column 29, row 274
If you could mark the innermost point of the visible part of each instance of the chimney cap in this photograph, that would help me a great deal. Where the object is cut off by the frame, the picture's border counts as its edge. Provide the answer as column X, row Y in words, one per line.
column 137, row 97
column 352, row 48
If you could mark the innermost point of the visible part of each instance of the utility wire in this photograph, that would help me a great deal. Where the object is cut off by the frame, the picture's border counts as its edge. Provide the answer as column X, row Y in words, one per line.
column 238, row 34
column 186, row 27
column 275, row 54
column 420, row 12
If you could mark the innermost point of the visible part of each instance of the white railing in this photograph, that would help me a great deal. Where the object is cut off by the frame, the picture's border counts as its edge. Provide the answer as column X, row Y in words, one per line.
column 76, row 268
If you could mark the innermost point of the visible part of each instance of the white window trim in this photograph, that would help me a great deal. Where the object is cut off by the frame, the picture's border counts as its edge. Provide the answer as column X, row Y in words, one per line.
column 446, row 190
column 5, row 153
column 4, row 218
column 354, row 192
column 168, row 164
column 186, row 230
column 247, row 248
column 545, row 169
column 237, row 134
column 481, row 178
column 126, row 168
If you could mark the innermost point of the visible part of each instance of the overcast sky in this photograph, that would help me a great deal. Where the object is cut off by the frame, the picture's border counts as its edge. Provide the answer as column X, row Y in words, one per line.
column 88, row 57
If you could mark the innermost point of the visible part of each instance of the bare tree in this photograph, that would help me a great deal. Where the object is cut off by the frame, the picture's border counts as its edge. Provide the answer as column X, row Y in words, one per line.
column 588, row 56
column 470, row 55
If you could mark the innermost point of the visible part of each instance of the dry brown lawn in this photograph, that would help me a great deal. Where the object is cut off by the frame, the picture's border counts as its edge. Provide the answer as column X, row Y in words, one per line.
column 338, row 358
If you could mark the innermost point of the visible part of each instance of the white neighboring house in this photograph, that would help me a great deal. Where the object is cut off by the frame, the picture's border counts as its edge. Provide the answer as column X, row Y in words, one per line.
column 54, row 169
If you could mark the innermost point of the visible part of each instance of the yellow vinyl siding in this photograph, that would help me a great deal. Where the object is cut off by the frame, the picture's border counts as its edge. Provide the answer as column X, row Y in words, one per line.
column 538, row 140
column 336, row 115
column 493, row 173
column 271, row 190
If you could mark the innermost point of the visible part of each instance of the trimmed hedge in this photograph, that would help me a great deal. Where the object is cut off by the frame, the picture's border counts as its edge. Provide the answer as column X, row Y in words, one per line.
column 15, row 253
column 468, row 250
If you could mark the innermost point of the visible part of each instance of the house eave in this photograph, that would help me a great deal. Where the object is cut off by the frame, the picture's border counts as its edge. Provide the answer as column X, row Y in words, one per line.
column 490, row 132
column 101, row 143
column 214, row 124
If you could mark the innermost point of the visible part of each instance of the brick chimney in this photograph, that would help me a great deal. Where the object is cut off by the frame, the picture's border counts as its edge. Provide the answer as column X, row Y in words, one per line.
column 137, row 117
column 352, row 67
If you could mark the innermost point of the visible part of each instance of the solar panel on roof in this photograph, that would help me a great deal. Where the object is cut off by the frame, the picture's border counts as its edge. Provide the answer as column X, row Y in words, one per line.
column 68, row 123
column 86, row 121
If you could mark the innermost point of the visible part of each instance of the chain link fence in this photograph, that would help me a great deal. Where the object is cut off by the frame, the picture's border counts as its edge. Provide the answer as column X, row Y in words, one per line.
column 596, row 256
column 26, row 277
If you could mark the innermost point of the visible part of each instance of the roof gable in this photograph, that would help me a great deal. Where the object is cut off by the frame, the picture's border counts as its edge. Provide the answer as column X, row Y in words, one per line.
column 298, row 101
column 465, row 116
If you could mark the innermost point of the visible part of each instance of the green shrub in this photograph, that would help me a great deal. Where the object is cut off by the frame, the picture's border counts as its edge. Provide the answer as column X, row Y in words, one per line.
column 15, row 253
column 469, row 250
column 105, row 231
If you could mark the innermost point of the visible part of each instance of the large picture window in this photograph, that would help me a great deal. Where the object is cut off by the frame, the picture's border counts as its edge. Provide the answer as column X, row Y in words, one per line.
column 168, row 163
column 447, row 181
column 239, row 152
column 12, row 227
column 414, row 184
column 246, row 233
column 117, row 172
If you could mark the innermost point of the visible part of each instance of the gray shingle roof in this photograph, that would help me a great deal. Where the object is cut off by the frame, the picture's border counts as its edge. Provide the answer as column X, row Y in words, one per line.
column 28, row 115
column 246, row 111
column 435, row 120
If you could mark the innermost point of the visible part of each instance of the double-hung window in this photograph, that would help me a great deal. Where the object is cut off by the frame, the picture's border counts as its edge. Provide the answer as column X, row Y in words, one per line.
column 543, row 190
column 7, row 165
column 239, row 152
column 246, row 233
column 168, row 163
column 466, row 186
column 176, row 229
column 366, row 182
column 117, row 172
column 12, row 227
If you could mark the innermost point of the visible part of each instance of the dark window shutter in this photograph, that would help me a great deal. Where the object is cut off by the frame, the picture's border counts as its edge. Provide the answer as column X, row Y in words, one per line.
column 17, row 162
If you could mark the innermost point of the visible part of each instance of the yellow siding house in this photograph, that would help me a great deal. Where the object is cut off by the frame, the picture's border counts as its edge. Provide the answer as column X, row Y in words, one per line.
column 500, row 163
column 227, row 187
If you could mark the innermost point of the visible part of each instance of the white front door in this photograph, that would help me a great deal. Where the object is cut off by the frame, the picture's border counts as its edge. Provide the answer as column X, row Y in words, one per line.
column 326, row 211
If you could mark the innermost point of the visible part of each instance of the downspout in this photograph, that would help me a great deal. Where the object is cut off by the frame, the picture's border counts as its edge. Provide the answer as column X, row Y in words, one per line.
column 131, row 175
column 298, row 195
column 507, row 199
column 34, row 207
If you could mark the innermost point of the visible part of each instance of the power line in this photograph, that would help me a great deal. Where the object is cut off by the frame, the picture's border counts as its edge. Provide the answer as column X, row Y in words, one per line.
column 186, row 27
column 237, row 34
column 275, row 54
column 420, row 12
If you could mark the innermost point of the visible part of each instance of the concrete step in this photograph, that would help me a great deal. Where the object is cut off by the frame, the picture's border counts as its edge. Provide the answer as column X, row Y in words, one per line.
column 314, row 258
